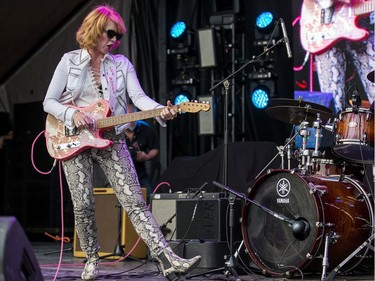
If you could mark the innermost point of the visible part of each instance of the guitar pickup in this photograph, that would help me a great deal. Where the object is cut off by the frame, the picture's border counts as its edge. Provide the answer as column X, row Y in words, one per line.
column 68, row 145
column 69, row 133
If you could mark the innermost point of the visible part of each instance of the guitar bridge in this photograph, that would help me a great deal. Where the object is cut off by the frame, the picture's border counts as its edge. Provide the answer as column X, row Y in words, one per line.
column 68, row 145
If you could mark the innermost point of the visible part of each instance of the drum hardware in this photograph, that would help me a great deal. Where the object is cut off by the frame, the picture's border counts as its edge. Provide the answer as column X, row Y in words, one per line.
column 325, row 258
column 317, row 124
column 281, row 151
column 324, row 225
column 366, row 244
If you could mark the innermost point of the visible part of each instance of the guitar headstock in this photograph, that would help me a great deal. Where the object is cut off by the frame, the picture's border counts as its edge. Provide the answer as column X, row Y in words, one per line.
column 193, row 107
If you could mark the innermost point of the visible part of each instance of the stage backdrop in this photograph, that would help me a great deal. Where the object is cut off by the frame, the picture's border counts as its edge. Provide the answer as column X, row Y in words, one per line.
column 245, row 161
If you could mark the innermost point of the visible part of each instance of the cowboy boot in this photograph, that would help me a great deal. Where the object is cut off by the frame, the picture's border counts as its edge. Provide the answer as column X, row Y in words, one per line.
column 91, row 269
column 172, row 265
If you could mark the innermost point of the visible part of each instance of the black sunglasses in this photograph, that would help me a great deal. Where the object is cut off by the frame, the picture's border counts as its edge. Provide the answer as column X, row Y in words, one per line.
column 111, row 33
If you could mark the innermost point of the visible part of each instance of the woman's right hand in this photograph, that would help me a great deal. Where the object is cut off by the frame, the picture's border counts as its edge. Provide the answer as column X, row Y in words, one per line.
column 81, row 120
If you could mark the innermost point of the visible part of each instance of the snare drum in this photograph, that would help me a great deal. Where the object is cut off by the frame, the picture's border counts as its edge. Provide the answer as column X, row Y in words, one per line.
column 354, row 138
column 333, row 206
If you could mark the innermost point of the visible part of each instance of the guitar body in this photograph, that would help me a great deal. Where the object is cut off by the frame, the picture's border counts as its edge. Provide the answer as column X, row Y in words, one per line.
column 62, row 145
column 317, row 37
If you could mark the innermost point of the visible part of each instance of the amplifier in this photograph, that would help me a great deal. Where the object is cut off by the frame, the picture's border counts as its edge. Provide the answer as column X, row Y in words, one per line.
column 109, row 215
column 174, row 214
column 206, row 219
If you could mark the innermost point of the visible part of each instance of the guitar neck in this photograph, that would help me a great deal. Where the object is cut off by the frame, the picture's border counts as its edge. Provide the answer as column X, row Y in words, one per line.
column 364, row 8
column 127, row 118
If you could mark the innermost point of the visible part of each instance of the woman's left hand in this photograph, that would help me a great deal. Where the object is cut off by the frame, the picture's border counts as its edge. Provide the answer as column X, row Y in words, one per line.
column 168, row 112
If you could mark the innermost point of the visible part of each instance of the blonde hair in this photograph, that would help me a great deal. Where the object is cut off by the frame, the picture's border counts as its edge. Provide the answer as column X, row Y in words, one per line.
column 93, row 26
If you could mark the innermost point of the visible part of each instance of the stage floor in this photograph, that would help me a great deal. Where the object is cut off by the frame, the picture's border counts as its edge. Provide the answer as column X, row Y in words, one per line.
column 48, row 255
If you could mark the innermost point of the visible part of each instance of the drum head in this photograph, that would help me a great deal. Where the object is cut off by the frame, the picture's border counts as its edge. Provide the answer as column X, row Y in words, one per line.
column 290, row 216
column 270, row 239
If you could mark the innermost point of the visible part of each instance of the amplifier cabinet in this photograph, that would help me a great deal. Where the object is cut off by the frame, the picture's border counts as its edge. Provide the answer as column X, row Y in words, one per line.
column 174, row 212
column 112, row 219
column 206, row 219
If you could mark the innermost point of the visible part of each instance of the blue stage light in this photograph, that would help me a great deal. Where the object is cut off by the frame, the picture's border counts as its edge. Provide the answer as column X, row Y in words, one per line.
column 178, row 30
column 260, row 96
column 264, row 20
column 181, row 97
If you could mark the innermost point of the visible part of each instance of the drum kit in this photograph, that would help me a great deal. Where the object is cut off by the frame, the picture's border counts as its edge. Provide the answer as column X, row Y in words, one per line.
column 322, row 214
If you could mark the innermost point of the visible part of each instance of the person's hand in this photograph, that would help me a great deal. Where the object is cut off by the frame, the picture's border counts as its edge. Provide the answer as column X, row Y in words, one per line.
column 81, row 120
column 142, row 156
column 168, row 112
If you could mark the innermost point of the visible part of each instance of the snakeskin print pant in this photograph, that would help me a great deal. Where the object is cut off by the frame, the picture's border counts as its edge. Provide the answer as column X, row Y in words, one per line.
column 332, row 64
column 117, row 165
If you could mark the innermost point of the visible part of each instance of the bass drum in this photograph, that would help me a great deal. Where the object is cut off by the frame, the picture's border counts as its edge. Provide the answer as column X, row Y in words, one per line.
column 335, row 205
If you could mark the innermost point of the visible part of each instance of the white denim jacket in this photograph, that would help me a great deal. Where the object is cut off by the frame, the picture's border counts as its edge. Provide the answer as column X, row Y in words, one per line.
column 118, row 78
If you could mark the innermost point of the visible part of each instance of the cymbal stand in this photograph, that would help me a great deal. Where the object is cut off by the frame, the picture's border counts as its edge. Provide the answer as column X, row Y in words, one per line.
column 304, row 133
column 281, row 151
column 318, row 134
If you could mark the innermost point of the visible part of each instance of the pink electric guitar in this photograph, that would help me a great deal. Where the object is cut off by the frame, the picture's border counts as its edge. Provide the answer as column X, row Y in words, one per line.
column 63, row 144
column 317, row 36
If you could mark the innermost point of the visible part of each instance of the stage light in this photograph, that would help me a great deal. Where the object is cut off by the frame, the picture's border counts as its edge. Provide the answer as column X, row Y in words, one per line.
column 265, row 29
column 264, row 21
column 260, row 96
column 182, row 96
column 178, row 31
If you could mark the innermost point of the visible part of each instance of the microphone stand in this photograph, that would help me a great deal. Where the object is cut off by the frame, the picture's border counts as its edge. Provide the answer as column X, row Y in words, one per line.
column 300, row 230
column 226, row 84
column 119, row 250
column 300, row 227
column 230, row 265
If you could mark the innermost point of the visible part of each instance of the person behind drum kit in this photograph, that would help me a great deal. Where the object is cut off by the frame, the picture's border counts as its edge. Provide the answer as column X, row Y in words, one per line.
column 143, row 145
column 332, row 62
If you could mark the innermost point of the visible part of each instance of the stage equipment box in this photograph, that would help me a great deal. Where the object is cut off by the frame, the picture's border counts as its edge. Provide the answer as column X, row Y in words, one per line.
column 109, row 215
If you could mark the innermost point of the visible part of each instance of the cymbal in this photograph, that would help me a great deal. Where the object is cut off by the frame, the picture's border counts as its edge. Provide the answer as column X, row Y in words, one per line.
column 371, row 76
column 295, row 114
column 297, row 103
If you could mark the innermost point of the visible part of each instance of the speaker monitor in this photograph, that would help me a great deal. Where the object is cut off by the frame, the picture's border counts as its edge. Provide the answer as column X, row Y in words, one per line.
column 17, row 259
column 207, row 48
column 109, row 217
column 207, row 118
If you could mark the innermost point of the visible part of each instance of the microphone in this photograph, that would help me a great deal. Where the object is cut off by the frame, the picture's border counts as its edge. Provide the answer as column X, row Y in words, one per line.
column 301, row 229
column 199, row 190
column 286, row 38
